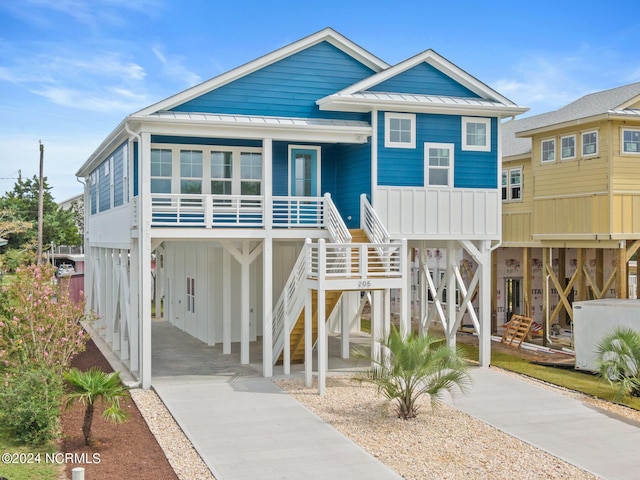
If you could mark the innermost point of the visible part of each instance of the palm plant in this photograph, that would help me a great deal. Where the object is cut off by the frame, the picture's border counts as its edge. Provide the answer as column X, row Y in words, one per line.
column 412, row 367
column 94, row 385
column 619, row 361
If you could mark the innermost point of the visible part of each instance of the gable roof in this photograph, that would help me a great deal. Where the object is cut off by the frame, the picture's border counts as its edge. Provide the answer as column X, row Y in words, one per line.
column 615, row 102
column 357, row 98
column 326, row 35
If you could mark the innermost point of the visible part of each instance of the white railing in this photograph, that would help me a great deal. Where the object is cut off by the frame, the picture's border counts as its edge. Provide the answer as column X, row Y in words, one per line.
column 307, row 212
column 371, row 223
column 355, row 260
column 338, row 231
column 290, row 303
column 209, row 211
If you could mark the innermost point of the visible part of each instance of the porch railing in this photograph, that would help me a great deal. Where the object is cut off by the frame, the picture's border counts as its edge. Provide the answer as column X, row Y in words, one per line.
column 214, row 211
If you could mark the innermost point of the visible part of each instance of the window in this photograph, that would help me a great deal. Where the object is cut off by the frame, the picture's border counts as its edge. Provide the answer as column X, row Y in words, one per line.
column 505, row 186
column 250, row 173
column 631, row 141
column 439, row 164
column 589, row 143
column 161, row 170
column 476, row 134
column 400, row 130
column 568, row 147
column 512, row 184
column 221, row 173
column 191, row 294
column 549, row 150
column 191, row 171
column 515, row 184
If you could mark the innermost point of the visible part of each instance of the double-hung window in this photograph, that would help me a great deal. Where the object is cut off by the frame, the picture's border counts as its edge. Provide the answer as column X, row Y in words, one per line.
column 631, row 141
column 568, row 147
column 589, row 143
column 439, row 164
column 221, row 172
column 476, row 134
column 191, row 171
column 399, row 130
column 548, row 148
column 512, row 184
column 250, row 173
column 161, row 170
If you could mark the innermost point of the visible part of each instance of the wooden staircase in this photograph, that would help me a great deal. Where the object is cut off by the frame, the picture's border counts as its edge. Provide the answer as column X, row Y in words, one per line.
column 332, row 297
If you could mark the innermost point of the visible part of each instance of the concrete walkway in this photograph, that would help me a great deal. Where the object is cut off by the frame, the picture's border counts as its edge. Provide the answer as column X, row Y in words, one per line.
column 595, row 440
column 245, row 427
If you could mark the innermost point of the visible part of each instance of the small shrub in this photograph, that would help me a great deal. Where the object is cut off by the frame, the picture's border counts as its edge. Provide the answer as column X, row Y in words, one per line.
column 619, row 361
column 39, row 322
column 30, row 404
column 92, row 386
column 412, row 367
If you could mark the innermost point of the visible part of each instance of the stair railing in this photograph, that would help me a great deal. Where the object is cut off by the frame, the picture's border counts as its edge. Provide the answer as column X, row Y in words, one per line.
column 371, row 223
column 290, row 304
column 338, row 231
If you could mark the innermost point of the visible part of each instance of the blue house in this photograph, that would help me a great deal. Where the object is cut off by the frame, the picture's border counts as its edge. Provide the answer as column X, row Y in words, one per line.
column 272, row 195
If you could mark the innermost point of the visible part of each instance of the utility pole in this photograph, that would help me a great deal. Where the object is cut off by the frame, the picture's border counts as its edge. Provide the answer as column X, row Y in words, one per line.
column 40, row 205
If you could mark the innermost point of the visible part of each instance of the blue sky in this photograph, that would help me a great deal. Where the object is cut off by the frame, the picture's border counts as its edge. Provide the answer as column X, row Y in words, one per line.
column 71, row 70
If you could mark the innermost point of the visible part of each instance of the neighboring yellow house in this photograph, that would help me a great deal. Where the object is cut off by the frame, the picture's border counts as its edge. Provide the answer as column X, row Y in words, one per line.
column 571, row 208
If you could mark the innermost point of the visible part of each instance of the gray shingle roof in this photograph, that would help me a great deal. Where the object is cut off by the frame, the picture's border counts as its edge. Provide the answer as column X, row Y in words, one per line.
column 598, row 103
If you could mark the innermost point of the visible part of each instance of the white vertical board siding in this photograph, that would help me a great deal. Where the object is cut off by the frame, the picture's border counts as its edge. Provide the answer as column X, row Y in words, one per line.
column 470, row 213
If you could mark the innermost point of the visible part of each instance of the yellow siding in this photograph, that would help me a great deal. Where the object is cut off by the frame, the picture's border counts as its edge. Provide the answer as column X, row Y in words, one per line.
column 625, row 168
column 560, row 177
column 516, row 227
column 572, row 215
column 516, row 215
column 626, row 214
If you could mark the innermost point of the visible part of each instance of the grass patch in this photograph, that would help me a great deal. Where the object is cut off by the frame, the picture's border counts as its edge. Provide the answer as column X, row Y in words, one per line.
column 39, row 469
column 583, row 382
column 365, row 325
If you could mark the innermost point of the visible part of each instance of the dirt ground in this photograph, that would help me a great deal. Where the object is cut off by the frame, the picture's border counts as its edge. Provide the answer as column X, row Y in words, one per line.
column 127, row 450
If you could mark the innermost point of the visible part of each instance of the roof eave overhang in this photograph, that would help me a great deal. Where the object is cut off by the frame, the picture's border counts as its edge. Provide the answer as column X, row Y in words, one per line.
column 368, row 105
column 571, row 123
column 115, row 138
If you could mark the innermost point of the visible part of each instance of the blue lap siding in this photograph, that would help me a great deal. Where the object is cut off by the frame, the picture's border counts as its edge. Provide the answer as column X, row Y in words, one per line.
column 287, row 88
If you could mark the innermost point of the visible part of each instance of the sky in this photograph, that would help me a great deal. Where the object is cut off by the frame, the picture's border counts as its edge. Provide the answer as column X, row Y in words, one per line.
column 72, row 70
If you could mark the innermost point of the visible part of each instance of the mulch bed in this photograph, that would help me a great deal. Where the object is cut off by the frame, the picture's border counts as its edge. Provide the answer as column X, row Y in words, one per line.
column 127, row 450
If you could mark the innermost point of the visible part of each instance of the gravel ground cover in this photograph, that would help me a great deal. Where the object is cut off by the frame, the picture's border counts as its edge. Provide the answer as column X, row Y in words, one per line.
column 445, row 444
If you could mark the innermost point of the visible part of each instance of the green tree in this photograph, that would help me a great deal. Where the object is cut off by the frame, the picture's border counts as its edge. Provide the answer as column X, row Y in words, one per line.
column 21, row 204
column 412, row 367
column 619, row 360
column 89, row 388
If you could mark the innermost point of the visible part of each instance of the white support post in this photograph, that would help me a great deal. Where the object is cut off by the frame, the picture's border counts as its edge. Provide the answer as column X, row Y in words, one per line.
column 267, row 307
column 323, row 358
column 405, row 296
column 245, row 304
column 134, row 307
column 108, row 305
column 377, row 328
column 451, row 294
column 485, row 304
column 422, row 293
column 308, row 339
column 323, row 355
column 144, row 245
column 345, row 321
column 386, row 320
column 226, row 302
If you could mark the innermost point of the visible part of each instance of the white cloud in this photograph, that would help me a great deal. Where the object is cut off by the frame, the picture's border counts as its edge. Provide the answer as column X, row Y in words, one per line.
column 174, row 67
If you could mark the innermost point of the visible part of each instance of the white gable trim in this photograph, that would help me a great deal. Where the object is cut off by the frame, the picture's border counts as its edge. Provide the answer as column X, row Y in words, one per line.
column 327, row 34
column 436, row 61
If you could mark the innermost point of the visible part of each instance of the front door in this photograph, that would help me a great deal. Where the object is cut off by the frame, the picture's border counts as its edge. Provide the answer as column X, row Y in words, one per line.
column 304, row 181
